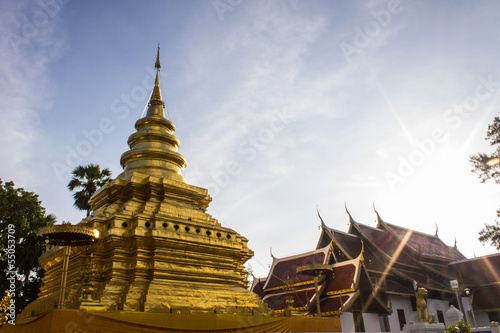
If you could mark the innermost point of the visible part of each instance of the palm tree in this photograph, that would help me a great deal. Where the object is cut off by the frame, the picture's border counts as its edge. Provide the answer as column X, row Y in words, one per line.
column 89, row 178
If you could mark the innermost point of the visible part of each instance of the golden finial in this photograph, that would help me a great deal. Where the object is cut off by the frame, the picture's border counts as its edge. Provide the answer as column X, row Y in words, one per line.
column 156, row 95
column 157, row 64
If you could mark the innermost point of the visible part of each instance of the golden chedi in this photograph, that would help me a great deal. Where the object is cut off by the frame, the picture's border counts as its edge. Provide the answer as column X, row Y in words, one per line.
column 158, row 250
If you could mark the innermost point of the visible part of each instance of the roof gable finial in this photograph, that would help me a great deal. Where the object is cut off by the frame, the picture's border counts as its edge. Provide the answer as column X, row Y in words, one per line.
column 379, row 219
column 351, row 220
column 323, row 225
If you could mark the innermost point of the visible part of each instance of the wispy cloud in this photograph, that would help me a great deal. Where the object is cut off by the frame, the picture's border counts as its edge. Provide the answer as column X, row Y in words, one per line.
column 30, row 43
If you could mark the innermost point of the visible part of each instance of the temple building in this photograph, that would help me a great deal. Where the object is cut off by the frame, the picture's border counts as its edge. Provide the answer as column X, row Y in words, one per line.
column 158, row 250
column 374, row 275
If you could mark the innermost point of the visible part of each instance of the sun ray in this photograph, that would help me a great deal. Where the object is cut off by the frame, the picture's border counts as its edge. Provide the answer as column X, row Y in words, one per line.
column 394, row 258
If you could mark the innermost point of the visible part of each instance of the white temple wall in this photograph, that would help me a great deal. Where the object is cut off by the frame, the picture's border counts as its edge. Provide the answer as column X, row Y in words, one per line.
column 481, row 318
column 372, row 322
column 400, row 303
column 433, row 305
column 467, row 311
column 347, row 322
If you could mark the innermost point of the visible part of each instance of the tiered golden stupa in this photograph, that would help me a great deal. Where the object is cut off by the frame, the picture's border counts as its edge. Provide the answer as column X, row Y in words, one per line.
column 158, row 250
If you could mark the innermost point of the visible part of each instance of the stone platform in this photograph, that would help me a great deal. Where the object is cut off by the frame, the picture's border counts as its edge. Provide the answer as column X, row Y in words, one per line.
column 424, row 328
column 66, row 320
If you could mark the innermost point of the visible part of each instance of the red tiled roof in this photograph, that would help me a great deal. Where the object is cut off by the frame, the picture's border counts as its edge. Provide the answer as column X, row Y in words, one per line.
column 385, row 242
column 427, row 245
column 380, row 238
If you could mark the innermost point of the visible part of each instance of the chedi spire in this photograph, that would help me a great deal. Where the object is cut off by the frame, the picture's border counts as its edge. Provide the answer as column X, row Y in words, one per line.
column 156, row 95
column 153, row 148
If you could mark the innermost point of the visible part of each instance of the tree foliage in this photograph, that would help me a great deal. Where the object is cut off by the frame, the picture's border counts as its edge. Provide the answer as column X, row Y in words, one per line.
column 487, row 166
column 87, row 179
column 21, row 214
column 491, row 233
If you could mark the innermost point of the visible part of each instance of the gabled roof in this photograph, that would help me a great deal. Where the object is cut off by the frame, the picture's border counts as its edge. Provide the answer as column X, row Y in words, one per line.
column 430, row 246
column 386, row 243
column 484, row 282
column 370, row 263
column 350, row 245
column 257, row 285
column 394, row 250
column 337, row 288
column 283, row 268
column 486, row 270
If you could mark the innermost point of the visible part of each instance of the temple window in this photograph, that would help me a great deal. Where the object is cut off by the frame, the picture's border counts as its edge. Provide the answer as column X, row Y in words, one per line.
column 401, row 318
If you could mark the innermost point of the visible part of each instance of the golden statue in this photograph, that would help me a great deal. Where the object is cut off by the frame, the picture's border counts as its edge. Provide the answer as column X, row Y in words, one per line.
column 423, row 313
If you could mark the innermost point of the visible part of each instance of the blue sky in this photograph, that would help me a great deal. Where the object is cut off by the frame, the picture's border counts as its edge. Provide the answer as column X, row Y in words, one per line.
column 280, row 106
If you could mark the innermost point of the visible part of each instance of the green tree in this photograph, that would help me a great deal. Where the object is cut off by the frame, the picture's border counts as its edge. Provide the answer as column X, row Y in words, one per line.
column 21, row 214
column 487, row 166
column 87, row 179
